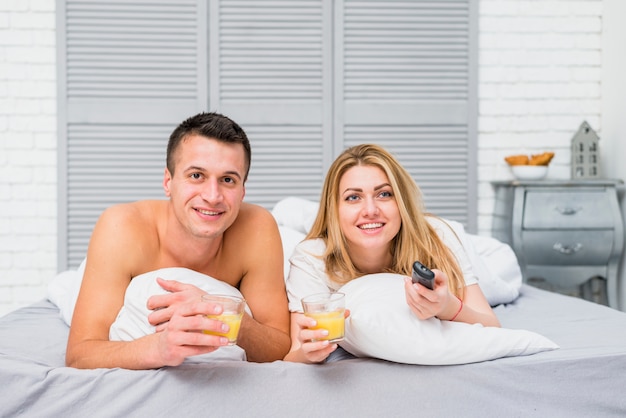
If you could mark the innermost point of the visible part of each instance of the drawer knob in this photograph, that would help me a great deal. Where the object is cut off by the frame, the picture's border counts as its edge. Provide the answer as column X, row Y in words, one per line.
column 568, row 210
column 567, row 249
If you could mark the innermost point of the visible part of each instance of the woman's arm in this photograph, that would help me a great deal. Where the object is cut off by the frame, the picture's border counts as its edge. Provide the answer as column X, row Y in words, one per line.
column 474, row 310
column 441, row 303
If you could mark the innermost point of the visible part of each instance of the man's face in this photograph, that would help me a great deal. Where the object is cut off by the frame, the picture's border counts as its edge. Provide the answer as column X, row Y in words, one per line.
column 207, row 187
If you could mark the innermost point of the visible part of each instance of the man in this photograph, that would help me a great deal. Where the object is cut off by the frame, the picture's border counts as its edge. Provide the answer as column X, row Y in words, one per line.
column 204, row 226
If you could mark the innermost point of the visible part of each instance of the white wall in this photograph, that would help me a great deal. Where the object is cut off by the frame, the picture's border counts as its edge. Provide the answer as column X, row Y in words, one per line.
column 614, row 101
column 28, row 159
column 540, row 76
column 539, row 79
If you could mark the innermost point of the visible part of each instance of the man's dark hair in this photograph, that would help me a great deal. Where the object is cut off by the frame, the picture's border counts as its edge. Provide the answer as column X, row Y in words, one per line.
column 211, row 125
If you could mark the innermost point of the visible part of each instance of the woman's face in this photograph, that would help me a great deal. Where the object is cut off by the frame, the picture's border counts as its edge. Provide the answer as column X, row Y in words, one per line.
column 368, row 211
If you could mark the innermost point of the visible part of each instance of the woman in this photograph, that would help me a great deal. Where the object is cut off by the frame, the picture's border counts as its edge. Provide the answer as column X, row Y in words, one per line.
column 371, row 220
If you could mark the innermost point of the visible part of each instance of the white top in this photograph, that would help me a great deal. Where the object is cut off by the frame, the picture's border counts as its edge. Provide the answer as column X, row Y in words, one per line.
column 307, row 274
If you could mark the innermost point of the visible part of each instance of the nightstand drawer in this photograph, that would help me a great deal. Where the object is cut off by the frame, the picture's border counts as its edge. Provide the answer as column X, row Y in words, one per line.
column 567, row 247
column 577, row 209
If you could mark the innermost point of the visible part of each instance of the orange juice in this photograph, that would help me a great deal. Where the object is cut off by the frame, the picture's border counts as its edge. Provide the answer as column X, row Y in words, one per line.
column 333, row 322
column 232, row 312
column 233, row 321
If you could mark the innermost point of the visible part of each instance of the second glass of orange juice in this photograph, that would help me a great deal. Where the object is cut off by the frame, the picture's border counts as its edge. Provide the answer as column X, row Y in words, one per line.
column 328, row 311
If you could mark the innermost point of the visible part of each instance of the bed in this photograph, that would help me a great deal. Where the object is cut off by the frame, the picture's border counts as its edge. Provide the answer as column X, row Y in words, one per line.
column 583, row 377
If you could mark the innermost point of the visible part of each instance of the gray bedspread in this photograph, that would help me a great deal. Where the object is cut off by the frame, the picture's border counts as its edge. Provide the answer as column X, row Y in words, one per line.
column 585, row 377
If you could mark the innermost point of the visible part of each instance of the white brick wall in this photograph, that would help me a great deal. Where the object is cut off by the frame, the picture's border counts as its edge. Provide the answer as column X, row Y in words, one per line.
column 28, row 158
column 539, row 78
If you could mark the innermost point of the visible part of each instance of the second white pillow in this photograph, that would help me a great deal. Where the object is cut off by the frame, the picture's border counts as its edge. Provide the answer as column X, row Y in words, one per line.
column 382, row 325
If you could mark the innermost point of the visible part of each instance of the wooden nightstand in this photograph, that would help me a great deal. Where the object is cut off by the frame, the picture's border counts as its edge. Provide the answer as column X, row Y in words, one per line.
column 563, row 231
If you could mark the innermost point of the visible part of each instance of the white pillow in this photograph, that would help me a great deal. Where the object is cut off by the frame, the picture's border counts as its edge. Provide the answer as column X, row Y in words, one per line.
column 295, row 213
column 382, row 325
column 63, row 291
column 494, row 263
column 290, row 238
column 499, row 274
column 499, row 258
column 132, row 320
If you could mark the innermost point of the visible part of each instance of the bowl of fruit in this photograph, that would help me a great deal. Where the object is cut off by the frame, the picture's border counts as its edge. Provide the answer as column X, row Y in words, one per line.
column 533, row 167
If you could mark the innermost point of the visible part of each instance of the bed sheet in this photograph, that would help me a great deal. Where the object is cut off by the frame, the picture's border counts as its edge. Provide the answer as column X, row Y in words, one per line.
column 583, row 378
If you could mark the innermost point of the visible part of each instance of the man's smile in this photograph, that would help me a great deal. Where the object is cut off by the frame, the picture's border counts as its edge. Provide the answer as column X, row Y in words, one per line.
column 208, row 212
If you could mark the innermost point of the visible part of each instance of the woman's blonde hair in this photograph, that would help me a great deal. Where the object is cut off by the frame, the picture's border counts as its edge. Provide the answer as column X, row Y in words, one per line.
column 416, row 240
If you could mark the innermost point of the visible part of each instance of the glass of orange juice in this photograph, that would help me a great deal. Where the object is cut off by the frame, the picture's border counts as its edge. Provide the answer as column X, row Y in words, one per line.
column 231, row 315
column 328, row 311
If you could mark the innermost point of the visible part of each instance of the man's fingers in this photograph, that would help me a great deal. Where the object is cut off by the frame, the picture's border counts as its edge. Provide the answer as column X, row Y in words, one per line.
column 171, row 285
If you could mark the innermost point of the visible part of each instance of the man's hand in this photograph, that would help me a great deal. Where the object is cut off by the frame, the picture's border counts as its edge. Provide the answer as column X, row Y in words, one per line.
column 180, row 316
column 181, row 336
column 164, row 306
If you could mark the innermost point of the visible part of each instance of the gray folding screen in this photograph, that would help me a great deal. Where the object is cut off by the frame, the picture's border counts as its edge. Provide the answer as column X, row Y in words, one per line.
column 305, row 79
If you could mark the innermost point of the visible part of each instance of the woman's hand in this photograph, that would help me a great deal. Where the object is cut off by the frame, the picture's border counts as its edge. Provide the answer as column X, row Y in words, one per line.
column 303, row 348
column 313, row 351
column 441, row 303
column 426, row 303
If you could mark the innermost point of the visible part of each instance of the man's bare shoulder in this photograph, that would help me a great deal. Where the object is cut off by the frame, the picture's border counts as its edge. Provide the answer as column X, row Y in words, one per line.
column 252, row 223
column 251, row 241
column 127, row 234
column 143, row 212
column 129, row 222
column 251, row 215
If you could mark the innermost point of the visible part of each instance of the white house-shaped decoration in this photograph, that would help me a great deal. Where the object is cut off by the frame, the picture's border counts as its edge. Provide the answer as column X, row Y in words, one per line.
column 585, row 153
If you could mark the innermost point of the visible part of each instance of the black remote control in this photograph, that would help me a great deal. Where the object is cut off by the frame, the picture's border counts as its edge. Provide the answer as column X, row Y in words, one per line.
column 423, row 275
